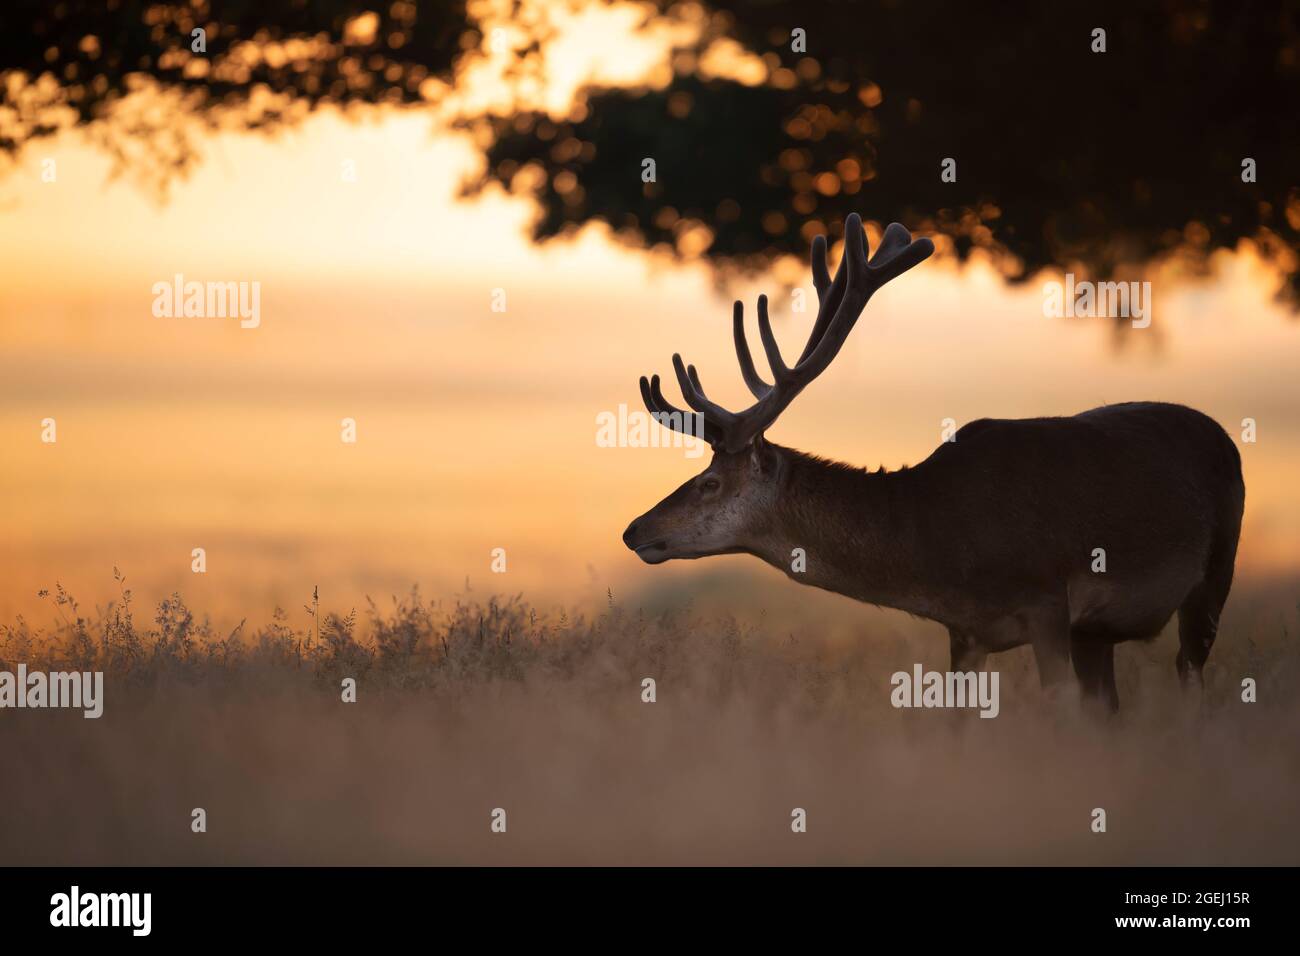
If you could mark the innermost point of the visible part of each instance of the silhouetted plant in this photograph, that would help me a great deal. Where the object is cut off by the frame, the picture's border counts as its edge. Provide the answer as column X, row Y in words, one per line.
column 1066, row 157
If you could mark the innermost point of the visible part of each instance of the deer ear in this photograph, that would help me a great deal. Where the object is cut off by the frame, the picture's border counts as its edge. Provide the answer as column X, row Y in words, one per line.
column 761, row 456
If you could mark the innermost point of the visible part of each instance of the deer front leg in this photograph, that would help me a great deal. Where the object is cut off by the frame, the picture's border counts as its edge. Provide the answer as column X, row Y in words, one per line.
column 1048, row 630
column 967, row 653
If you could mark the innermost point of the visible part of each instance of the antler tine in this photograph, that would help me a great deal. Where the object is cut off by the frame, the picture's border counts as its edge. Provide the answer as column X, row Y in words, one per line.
column 654, row 398
column 856, row 280
column 671, row 416
column 895, row 240
column 897, row 253
column 821, row 275
column 840, row 304
column 695, row 397
column 779, row 369
column 856, row 293
column 753, row 381
column 829, row 294
column 694, row 376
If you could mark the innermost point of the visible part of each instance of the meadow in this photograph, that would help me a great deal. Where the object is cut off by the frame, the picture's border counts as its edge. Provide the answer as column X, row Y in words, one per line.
column 469, row 704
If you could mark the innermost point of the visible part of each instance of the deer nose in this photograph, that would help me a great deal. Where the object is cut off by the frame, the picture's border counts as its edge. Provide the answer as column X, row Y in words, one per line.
column 629, row 534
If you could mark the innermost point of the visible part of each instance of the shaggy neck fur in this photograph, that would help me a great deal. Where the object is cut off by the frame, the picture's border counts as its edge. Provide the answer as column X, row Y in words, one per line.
column 862, row 532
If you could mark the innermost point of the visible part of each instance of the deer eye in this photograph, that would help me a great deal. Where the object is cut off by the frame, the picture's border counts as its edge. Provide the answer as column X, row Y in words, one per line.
column 710, row 484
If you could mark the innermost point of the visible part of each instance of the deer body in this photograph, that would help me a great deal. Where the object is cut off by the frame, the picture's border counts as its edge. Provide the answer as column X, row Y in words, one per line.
column 996, row 534
column 1068, row 534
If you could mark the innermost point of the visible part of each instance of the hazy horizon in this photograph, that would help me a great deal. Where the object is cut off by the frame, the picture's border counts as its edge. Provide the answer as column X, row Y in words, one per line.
column 476, row 429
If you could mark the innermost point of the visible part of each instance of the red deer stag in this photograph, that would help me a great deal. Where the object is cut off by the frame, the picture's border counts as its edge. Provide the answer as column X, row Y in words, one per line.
column 994, row 534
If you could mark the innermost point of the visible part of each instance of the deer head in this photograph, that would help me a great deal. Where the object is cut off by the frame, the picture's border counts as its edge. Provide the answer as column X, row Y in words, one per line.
column 727, row 508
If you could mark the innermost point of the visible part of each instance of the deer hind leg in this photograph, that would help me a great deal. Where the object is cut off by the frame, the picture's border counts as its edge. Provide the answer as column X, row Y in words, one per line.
column 1198, row 624
column 1094, row 665
column 1198, row 616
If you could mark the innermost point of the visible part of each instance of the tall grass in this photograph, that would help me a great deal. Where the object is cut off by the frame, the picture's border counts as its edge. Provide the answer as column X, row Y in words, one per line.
column 469, row 704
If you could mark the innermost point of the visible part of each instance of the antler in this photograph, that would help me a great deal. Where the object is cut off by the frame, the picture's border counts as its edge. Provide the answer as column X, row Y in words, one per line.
column 840, row 303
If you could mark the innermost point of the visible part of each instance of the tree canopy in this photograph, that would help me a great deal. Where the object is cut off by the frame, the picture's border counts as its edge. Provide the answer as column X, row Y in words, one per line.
column 1066, row 152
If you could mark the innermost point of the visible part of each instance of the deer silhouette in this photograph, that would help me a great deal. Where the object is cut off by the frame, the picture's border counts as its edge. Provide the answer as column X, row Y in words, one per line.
column 1069, row 534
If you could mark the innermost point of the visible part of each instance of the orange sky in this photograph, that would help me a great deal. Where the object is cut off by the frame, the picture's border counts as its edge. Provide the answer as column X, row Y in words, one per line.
column 476, row 429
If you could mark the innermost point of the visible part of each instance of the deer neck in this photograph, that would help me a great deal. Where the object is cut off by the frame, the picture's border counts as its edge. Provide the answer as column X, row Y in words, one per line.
column 858, row 533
